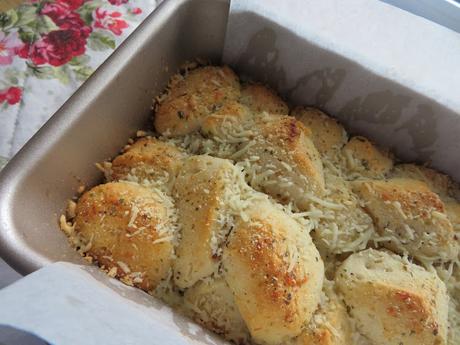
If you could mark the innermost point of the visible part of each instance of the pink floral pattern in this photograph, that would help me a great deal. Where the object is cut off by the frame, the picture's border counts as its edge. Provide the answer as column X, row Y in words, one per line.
column 48, row 48
column 11, row 96
column 118, row 2
column 109, row 21
column 136, row 10
column 10, row 45
column 49, row 35
column 58, row 47
column 73, row 4
column 63, row 16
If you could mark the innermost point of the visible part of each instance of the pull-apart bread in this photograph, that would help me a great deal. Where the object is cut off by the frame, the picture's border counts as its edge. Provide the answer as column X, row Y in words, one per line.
column 271, row 225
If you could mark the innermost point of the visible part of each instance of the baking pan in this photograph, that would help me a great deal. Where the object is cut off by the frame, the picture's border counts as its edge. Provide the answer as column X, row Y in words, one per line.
column 94, row 124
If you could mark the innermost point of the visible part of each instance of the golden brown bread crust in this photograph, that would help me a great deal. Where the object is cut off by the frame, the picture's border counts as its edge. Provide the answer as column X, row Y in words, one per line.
column 200, row 198
column 124, row 227
column 394, row 301
column 328, row 135
column 191, row 98
column 275, row 273
column 366, row 159
column 409, row 212
column 147, row 159
column 259, row 98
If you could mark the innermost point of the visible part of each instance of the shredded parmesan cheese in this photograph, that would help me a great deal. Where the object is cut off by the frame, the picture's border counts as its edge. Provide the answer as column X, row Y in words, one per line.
column 66, row 227
column 124, row 267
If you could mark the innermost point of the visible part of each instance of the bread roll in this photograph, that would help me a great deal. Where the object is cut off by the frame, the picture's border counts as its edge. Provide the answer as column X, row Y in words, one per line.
column 365, row 159
column 276, row 152
column 439, row 183
column 127, row 229
column 284, row 163
column 411, row 216
column 343, row 226
column 394, row 301
column 330, row 324
column 274, row 272
column 193, row 97
column 328, row 135
column 232, row 123
column 259, row 98
column 200, row 192
column 148, row 160
column 211, row 303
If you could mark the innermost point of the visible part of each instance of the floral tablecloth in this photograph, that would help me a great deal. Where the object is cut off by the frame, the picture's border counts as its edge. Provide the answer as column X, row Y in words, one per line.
column 48, row 48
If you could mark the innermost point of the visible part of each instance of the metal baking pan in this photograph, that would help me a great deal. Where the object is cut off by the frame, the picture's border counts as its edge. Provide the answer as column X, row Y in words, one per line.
column 116, row 101
column 94, row 124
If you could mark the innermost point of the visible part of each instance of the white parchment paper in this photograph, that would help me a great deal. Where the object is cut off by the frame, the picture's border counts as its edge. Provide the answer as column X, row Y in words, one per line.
column 69, row 304
column 382, row 71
